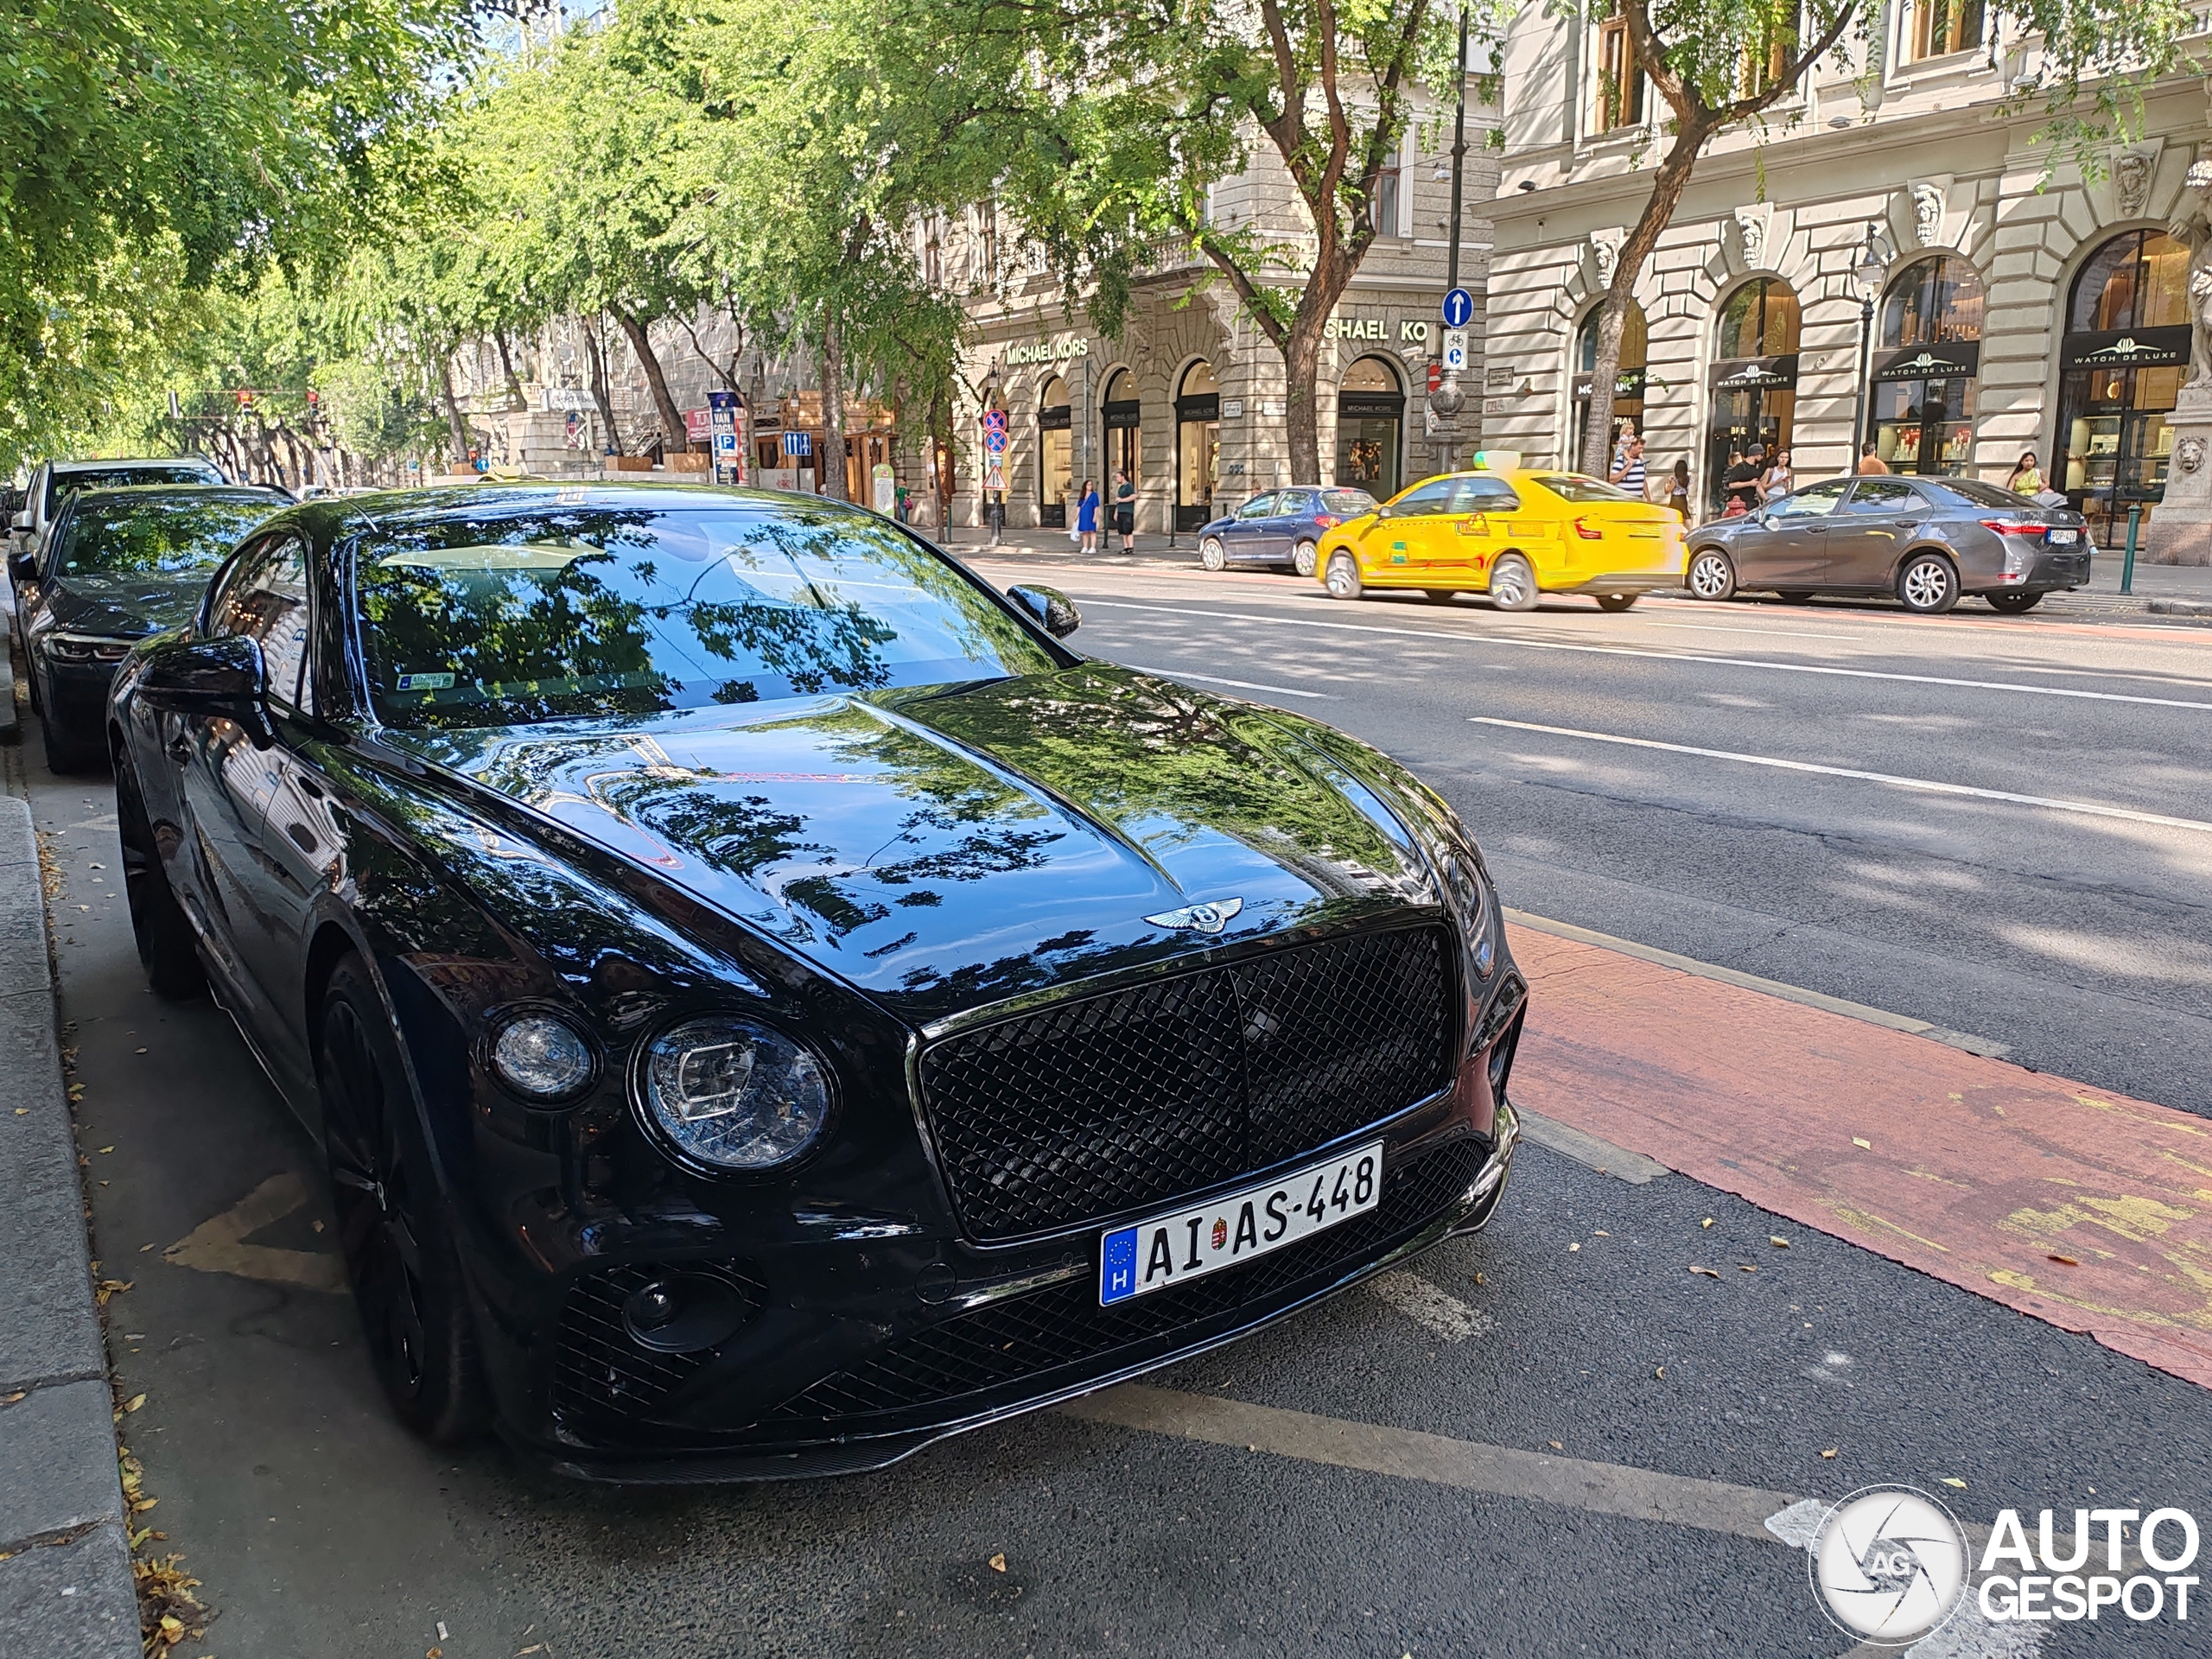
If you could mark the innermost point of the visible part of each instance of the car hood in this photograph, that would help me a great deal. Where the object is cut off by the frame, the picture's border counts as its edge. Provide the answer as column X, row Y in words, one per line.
column 943, row 849
column 124, row 606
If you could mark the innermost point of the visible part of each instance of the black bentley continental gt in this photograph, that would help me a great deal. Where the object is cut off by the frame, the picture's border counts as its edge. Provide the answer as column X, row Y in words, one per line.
column 767, row 1003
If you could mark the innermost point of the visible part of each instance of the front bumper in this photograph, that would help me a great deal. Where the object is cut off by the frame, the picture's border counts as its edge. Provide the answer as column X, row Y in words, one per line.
column 982, row 1352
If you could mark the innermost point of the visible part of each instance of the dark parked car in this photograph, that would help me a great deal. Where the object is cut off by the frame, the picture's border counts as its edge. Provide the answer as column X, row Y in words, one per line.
column 768, row 1003
column 55, row 481
column 117, row 565
column 1282, row 527
column 1927, row 540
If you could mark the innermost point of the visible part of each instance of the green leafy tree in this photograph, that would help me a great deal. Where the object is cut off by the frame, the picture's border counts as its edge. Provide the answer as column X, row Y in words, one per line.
column 1722, row 63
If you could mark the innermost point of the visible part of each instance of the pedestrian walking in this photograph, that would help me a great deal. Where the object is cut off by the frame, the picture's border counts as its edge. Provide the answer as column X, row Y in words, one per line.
column 1870, row 464
column 1628, row 469
column 1086, row 516
column 1742, row 482
column 1125, row 511
column 2027, row 477
column 1778, row 479
column 1678, row 490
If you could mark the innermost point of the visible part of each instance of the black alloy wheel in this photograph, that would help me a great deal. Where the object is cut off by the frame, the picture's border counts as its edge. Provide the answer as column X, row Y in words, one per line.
column 399, row 1256
column 165, row 947
column 2013, row 604
column 1928, row 585
column 1615, row 603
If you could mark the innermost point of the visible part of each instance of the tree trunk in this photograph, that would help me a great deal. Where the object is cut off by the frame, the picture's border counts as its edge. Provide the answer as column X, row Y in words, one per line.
column 671, row 418
column 600, row 394
column 454, row 424
column 829, row 465
column 1667, row 188
column 516, row 400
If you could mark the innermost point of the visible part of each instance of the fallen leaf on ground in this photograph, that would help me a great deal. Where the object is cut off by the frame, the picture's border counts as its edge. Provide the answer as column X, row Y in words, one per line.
column 107, row 1287
column 1953, row 1480
column 2062, row 1261
column 22, row 1111
column 10, row 1399
column 1707, row 1221
column 1857, row 1141
column 134, row 1402
column 1601, row 1233
column 1556, row 1446
column 1710, row 1273
column 1745, row 1267
column 1829, row 1453
column 107, row 1148
column 1575, row 1247
column 998, row 1562
column 1659, row 1371
column 1777, row 1240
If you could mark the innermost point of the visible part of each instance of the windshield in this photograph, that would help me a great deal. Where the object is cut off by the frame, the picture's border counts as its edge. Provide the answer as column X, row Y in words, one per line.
column 547, row 613
column 1574, row 487
column 1350, row 503
column 157, row 535
column 60, row 484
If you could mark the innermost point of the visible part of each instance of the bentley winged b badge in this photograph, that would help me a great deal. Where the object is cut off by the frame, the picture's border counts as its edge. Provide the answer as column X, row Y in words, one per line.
column 1203, row 918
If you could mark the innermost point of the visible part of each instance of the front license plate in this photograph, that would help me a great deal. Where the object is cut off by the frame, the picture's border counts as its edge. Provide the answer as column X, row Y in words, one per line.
column 1185, row 1244
column 2064, row 538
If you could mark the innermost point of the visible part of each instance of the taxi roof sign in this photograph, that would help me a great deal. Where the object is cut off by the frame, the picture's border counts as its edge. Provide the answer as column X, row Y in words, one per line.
column 1497, row 460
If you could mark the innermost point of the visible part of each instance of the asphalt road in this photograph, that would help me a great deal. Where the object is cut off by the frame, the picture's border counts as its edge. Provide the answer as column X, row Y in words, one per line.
column 1570, row 1330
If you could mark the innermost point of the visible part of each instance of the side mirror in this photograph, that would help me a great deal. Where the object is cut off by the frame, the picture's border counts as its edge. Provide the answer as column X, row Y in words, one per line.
column 223, row 678
column 1052, row 610
column 21, row 521
column 24, row 566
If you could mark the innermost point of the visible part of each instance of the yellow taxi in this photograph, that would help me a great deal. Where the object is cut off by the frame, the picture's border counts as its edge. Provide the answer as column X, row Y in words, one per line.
column 1512, row 532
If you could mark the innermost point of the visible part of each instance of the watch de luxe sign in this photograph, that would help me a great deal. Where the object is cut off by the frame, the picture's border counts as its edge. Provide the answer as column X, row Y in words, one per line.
column 2128, row 348
column 1953, row 359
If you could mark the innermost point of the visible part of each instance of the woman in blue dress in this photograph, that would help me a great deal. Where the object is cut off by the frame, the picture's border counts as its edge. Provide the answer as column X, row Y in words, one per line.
column 1086, row 516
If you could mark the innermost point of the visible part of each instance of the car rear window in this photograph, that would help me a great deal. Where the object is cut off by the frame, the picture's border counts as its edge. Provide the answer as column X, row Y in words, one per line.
column 1574, row 487
column 1349, row 504
column 158, row 535
column 545, row 612
column 1972, row 493
column 59, row 483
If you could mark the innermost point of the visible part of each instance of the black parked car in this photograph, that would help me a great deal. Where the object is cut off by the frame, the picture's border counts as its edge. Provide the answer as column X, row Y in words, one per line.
column 769, row 1004
column 1282, row 527
column 1927, row 540
column 119, row 564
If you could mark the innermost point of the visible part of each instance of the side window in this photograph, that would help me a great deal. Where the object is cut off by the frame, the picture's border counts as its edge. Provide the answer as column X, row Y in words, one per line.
column 1260, row 506
column 1485, row 495
column 1884, row 495
column 264, row 597
column 1430, row 498
column 1295, row 502
column 1812, row 503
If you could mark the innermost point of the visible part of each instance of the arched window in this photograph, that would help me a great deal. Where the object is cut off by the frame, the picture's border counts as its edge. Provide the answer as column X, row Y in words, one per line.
column 2124, row 357
column 1370, row 424
column 1923, row 398
column 1055, row 454
column 1753, row 379
column 1121, row 416
column 1628, row 388
column 1198, row 444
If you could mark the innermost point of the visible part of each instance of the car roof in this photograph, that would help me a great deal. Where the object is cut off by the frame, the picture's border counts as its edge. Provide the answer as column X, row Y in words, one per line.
column 392, row 509
column 136, row 460
column 190, row 492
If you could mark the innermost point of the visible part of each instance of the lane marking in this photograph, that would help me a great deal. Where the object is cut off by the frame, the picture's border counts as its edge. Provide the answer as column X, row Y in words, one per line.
column 1429, row 1305
column 1972, row 1044
column 1673, row 656
column 219, row 1245
column 1241, row 685
column 1470, row 1466
column 1790, row 633
column 1927, row 785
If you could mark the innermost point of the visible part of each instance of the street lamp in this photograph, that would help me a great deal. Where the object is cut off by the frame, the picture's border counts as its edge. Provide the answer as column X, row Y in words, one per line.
column 1866, row 281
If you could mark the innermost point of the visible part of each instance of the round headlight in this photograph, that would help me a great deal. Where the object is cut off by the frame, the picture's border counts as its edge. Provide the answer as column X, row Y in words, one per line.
column 542, row 1057
column 734, row 1094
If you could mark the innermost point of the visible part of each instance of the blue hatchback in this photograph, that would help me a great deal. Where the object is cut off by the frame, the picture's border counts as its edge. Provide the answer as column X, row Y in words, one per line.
column 1282, row 527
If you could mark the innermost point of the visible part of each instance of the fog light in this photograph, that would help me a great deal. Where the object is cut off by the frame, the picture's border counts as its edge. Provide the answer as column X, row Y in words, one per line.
column 542, row 1059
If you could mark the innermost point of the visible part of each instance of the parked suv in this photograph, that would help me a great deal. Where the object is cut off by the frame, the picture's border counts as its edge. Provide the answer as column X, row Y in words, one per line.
column 1282, row 527
column 1927, row 540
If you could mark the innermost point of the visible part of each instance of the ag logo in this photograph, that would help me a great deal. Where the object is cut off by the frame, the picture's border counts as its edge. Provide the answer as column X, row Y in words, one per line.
column 1889, row 1564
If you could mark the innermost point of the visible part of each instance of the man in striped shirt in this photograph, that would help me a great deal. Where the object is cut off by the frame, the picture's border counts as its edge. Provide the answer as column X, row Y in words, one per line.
column 1628, row 469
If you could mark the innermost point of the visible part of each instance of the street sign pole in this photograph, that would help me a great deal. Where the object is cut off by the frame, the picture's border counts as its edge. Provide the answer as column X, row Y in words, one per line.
column 1444, row 403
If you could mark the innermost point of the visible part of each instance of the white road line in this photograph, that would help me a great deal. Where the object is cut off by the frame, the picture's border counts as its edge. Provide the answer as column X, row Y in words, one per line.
column 1442, row 1313
column 1241, row 685
column 1663, row 656
column 1791, row 633
column 2089, row 808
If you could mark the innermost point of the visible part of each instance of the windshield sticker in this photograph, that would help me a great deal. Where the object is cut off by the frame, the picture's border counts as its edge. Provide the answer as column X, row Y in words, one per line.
column 423, row 683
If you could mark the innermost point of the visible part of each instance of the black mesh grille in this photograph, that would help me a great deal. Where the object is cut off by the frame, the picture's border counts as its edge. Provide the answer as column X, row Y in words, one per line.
column 1025, row 1336
column 1093, row 1107
column 598, row 1369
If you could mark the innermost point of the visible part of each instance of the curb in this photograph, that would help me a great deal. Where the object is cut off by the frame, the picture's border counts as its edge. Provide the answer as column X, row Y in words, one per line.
column 65, row 1584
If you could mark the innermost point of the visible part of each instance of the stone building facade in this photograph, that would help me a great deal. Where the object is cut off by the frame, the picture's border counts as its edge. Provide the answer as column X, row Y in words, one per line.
column 1895, row 258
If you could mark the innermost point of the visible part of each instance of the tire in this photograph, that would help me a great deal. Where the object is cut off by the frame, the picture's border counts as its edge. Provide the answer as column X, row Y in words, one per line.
column 1513, row 584
column 1305, row 558
column 2013, row 604
column 399, row 1252
column 1441, row 595
column 1711, row 575
column 1212, row 554
column 165, row 947
column 65, row 753
column 1615, row 603
column 1342, row 579
column 1928, row 585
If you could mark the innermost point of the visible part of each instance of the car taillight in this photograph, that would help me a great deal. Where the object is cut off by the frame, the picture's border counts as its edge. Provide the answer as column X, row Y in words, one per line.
column 2013, row 527
column 1588, row 531
column 1328, row 520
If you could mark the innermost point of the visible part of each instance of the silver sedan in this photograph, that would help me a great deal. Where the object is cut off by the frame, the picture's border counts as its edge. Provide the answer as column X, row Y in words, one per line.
column 1926, row 540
